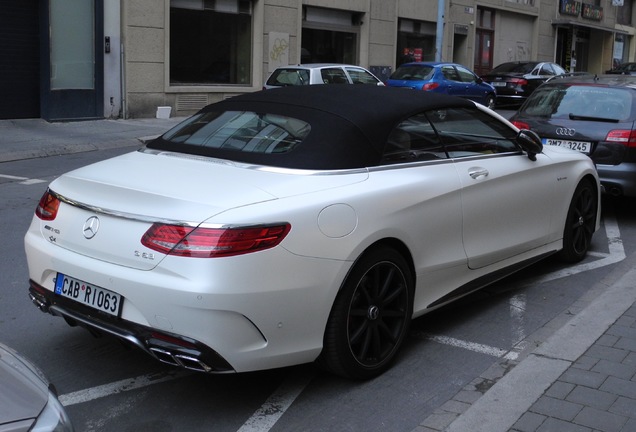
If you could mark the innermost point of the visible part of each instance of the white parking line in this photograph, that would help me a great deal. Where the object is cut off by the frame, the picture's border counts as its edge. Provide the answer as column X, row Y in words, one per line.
column 275, row 406
column 25, row 180
column 125, row 385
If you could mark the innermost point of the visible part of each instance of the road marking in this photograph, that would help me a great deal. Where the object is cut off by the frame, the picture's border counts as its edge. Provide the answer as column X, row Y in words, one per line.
column 616, row 254
column 275, row 406
column 125, row 385
column 470, row 346
column 25, row 180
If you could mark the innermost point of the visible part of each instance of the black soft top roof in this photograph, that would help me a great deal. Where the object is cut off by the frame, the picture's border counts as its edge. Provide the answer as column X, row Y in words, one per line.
column 349, row 123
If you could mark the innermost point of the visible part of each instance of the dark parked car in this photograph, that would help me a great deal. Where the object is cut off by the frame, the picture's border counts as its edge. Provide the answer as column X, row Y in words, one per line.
column 27, row 401
column 449, row 78
column 624, row 69
column 515, row 81
column 594, row 115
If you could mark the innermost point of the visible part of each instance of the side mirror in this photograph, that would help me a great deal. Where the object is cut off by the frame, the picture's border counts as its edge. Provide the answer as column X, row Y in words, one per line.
column 530, row 142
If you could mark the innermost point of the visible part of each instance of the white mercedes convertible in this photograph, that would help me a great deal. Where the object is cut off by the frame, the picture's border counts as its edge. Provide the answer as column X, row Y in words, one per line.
column 304, row 224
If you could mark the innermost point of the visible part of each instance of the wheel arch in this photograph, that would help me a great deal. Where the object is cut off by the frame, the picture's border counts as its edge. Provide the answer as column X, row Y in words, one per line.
column 393, row 243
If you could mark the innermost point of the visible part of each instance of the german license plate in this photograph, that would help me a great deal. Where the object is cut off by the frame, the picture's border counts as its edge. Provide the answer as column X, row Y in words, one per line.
column 582, row 146
column 498, row 83
column 90, row 295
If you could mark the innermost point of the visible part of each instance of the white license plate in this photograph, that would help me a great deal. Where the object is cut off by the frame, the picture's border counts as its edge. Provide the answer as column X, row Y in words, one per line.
column 582, row 146
column 90, row 295
column 498, row 84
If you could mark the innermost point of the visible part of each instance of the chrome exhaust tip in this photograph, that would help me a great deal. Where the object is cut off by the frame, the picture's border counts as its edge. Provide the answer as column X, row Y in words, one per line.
column 43, row 306
column 180, row 360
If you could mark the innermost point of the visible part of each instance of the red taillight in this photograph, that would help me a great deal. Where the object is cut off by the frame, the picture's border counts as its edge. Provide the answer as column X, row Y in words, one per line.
column 520, row 124
column 519, row 81
column 212, row 242
column 48, row 206
column 623, row 136
column 430, row 86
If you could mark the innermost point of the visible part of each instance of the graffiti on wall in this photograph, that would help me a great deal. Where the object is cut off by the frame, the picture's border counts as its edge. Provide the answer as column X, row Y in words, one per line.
column 278, row 50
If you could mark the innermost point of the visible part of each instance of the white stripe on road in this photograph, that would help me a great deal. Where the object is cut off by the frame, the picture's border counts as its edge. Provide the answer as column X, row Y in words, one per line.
column 125, row 385
column 25, row 180
column 276, row 405
column 470, row 346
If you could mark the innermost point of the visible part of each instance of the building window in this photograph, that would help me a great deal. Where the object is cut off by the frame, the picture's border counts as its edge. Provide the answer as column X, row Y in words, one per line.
column 416, row 41
column 210, row 42
column 624, row 13
column 525, row 2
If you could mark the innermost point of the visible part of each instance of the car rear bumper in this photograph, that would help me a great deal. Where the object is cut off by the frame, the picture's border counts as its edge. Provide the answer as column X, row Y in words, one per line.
column 618, row 180
column 165, row 347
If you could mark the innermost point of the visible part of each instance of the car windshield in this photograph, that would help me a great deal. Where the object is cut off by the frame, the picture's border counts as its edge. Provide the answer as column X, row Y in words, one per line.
column 241, row 131
column 587, row 101
column 288, row 77
column 413, row 73
column 524, row 68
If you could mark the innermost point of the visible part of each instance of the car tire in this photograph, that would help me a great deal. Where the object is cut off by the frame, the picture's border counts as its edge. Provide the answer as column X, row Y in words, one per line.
column 580, row 223
column 370, row 317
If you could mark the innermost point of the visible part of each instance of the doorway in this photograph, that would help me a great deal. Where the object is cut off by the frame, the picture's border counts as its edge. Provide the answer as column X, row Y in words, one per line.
column 72, row 77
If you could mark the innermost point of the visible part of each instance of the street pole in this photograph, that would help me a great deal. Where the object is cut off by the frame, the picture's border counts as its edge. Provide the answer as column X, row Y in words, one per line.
column 440, row 30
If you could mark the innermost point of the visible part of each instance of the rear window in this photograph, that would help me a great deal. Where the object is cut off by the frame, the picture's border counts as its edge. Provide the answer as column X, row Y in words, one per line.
column 413, row 73
column 288, row 77
column 585, row 101
column 241, row 131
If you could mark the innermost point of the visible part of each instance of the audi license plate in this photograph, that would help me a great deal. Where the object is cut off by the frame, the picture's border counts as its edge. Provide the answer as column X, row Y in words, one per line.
column 90, row 295
column 498, row 83
column 582, row 146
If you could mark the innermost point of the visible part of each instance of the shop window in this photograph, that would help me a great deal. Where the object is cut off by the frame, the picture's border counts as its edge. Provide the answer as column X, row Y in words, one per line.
column 416, row 41
column 210, row 42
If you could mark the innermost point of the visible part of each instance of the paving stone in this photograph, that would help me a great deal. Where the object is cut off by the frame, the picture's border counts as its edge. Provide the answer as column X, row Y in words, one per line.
column 529, row 422
column 607, row 353
column 620, row 387
column 600, row 420
column 585, row 362
column 630, row 426
column 618, row 370
column 556, row 425
column 583, row 377
column 626, row 321
column 454, row 406
column 607, row 340
column 627, row 343
column 630, row 360
column 439, row 421
column 620, row 331
column 559, row 390
column 557, row 408
column 468, row 396
column 592, row 397
column 624, row 406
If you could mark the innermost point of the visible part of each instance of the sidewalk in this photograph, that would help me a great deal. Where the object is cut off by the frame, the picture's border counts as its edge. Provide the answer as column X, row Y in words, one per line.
column 579, row 373
column 581, row 378
column 32, row 138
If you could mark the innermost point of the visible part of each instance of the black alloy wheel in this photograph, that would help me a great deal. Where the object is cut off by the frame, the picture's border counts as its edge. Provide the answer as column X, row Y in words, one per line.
column 370, row 317
column 580, row 223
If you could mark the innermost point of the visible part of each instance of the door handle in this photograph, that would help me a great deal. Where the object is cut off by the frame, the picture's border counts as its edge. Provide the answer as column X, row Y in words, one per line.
column 478, row 173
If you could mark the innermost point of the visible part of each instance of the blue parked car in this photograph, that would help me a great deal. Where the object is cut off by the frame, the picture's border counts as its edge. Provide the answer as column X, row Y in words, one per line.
column 440, row 77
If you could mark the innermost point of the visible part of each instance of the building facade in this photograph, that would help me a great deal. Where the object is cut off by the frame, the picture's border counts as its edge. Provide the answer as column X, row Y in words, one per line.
column 83, row 59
